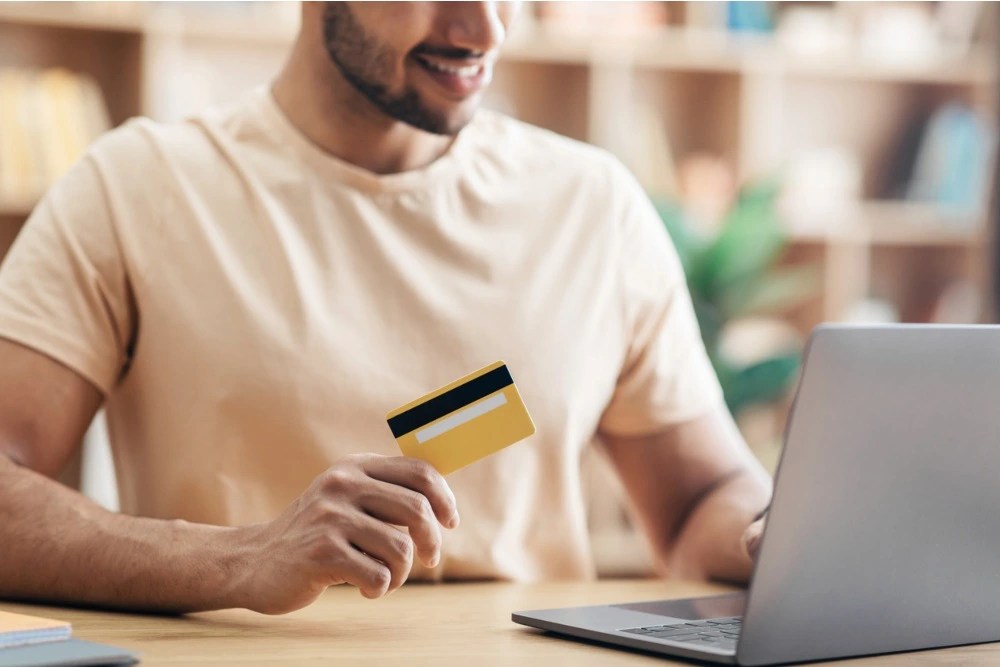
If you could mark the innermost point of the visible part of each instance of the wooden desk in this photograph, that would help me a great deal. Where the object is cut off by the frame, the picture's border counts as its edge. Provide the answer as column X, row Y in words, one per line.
column 434, row 625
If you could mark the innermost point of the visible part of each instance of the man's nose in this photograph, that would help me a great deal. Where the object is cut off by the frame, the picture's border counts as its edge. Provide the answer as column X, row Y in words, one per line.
column 475, row 26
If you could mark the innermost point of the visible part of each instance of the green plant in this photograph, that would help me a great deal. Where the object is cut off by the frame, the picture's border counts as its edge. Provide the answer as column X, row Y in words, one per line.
column 733, row 275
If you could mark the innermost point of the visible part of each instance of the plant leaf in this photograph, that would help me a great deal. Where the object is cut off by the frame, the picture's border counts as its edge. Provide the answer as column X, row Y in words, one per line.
column 710, row 321
column 779, row 289
column 761, row 382
column 750, row 240
column 685, row 241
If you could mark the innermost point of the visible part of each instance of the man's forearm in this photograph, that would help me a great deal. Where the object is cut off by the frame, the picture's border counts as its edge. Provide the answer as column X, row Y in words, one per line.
column 58, row 546
column 710, row 545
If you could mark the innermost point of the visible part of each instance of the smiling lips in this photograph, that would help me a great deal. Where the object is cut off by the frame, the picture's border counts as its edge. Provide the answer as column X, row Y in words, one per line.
column 458, row 77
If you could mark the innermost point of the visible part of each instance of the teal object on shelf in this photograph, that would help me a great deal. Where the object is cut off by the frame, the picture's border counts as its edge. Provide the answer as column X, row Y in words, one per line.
column 751, row 16
column 952, row 167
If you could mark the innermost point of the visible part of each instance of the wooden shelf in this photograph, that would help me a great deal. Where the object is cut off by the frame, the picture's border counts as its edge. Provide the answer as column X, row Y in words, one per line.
column 978, row 68
column 151, row 20
column 259, row 29
column 663, row 49
column 691, row 50
column 127, row 17
column 895, row 224
column 897, row 237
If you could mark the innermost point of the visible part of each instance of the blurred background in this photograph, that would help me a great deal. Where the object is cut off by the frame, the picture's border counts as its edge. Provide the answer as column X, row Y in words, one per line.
column 813, row 161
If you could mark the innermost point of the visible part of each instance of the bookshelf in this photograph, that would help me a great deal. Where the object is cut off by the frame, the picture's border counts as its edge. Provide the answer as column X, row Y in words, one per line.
column 743, row 98
column 748, row 101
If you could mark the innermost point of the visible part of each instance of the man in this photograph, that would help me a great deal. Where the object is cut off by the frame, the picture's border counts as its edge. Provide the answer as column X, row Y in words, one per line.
column 250, row 292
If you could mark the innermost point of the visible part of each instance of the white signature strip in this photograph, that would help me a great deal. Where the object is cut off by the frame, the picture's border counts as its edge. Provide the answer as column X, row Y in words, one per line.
column 461, row 417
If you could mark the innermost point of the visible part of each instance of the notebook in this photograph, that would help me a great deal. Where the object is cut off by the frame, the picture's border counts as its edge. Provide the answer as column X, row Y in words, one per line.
column 20, row 630
column 69, row 653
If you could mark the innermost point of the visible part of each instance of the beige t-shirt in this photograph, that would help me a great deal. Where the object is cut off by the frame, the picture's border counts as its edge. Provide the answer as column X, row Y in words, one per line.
column 252, row 307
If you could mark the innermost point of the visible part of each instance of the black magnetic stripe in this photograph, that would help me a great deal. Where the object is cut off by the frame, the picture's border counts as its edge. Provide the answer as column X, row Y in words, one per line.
column 448, row 402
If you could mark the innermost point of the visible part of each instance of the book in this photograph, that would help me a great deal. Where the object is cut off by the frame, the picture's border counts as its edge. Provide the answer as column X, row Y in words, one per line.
column 952, row 166
column 21, row 630
column 48, row 118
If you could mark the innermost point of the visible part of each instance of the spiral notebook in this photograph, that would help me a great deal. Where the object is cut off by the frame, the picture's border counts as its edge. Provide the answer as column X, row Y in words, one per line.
column 21, row 629
column 33, row 641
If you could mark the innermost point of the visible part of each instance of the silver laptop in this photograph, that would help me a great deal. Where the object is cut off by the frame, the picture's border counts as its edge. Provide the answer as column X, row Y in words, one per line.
column 884, row 530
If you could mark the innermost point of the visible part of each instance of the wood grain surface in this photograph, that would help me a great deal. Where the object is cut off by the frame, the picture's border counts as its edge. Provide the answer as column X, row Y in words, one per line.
column 439, row 625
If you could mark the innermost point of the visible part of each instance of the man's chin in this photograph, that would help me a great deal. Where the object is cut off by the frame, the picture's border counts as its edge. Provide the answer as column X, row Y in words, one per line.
column 425, row 110
column 434, row 114
column 448, row 123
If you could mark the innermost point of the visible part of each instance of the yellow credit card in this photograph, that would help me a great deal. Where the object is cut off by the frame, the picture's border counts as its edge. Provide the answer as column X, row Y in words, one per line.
column 464, row 421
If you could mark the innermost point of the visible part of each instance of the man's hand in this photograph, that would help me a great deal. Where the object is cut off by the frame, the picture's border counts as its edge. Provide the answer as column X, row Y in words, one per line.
column 59, row 546
column 751, row 537
column 344, row 529
column 695, row 487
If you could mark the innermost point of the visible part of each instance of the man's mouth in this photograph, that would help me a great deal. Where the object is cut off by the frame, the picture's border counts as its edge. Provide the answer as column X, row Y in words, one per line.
column 459, row 77
column 458, row 70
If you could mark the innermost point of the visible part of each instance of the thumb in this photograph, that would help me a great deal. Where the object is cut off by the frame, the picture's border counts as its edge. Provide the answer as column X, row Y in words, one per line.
column 751, row 538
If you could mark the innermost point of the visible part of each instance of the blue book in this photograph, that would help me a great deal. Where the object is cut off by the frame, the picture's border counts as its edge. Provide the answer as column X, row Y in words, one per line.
column 749, row 16
column 952, row 167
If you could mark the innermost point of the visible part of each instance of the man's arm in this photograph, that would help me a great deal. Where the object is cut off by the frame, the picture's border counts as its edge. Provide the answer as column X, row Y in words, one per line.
column 696, row 488
column 58, row 546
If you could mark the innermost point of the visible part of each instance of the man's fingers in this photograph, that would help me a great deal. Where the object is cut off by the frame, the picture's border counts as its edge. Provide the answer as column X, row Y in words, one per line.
column 363, row 572
column 418, row 476
column 391, row 546
column 403, row 507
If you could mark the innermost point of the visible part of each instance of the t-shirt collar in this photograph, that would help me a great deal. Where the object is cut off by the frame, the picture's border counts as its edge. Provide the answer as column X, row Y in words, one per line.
column 443, row 169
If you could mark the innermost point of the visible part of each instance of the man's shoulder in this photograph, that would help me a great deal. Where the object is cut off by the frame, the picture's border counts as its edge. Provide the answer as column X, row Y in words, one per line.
column 138, row 141
column 526, row 146
column 141, row 142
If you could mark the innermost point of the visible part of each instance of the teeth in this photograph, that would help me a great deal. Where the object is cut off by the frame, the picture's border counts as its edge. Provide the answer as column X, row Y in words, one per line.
column 465, row 72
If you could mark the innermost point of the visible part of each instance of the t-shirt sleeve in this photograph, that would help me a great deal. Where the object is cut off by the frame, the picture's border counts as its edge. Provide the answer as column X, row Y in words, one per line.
column 666, row 377
column 64, row 290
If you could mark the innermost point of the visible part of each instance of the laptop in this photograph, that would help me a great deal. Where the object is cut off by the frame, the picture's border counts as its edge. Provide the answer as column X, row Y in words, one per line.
column 884, row 528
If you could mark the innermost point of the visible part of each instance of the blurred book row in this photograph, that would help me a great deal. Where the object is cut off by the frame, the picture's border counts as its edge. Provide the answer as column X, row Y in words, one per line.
column 47, row 119
column 904, row 31
column 944, row 163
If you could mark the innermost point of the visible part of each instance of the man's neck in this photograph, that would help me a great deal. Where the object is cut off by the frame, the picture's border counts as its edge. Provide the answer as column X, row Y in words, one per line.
column 332, row 114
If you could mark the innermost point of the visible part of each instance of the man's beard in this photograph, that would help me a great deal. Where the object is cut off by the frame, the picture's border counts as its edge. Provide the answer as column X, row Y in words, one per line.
column 363, row 62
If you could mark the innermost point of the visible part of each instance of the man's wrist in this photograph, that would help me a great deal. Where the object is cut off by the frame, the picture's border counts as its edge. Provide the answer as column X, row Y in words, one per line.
column 216, row 564
column 236, row 561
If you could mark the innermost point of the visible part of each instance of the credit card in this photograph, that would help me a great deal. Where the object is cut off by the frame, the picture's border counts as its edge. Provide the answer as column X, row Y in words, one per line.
column 464, row 421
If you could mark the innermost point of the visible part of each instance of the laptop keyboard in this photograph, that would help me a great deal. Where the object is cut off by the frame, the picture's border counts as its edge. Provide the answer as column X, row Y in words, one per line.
column 720, row 633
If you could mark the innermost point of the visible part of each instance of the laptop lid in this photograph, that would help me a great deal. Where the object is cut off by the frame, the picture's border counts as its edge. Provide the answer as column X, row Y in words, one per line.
column 884, row 532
